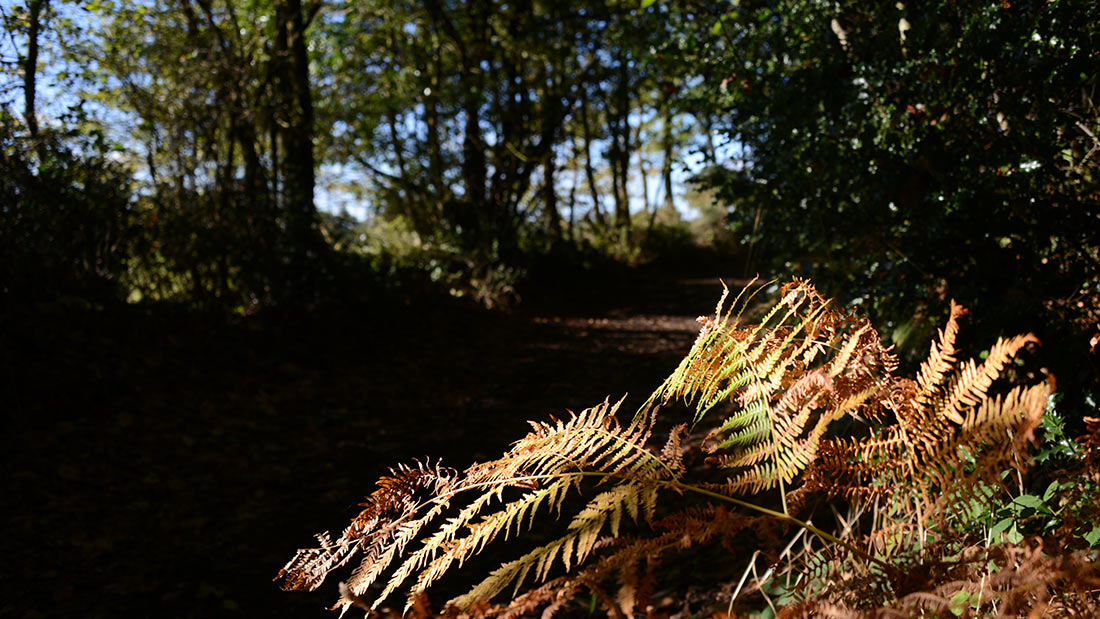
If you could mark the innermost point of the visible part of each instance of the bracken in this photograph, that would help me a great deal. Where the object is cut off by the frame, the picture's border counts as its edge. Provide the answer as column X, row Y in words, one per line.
column 766, row 399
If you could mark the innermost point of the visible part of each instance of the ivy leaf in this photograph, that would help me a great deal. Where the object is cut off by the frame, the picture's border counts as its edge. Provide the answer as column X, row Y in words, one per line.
column 1053, row 488
column 1027, row 501
column 1000, row 527
column 959, row 602
column 1093, row 536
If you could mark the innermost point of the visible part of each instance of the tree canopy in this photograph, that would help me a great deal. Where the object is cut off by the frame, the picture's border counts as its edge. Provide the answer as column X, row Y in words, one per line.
column 897, row 153
column 925, row 150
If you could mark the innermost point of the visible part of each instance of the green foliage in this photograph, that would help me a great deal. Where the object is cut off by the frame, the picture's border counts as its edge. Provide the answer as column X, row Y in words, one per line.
column 501, row 133
column 66, row 216
column 901, row 153
column 214, row 101
column 1064, row 509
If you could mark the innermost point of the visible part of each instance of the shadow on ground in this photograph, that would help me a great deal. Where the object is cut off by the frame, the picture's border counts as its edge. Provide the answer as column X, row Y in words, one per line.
column 158, row 464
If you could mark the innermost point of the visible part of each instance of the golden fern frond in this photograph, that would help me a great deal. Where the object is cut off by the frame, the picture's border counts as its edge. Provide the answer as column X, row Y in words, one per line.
column 607, row 508
column 969, row 387
column 500, row 498
column 859, row 467
column 941, row 359
column 788, row 378
column 950, row 433
column 378, row 529
column 993, row 432
column 782, row 383
column 630, row 563
column 433, row 564
column 993, row 438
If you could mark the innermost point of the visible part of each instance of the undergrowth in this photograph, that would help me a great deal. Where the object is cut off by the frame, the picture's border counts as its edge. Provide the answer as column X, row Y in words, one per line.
column 796, row 421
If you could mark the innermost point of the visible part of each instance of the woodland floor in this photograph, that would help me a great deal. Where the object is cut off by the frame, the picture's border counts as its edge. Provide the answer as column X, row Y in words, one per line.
column 157, row 464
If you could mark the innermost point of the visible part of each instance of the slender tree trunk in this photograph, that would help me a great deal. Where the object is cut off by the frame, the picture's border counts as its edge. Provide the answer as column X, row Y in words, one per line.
column 292, row 81
column 550, row 201
column 473, row 149
column 666, row 144
column 572, row 207
column 643, row 173
column 404, row 197
column 441, row 193
column 620, row 135
column 589, row 169
column 710, row 152
column 35, row 9
column 396, row 143
column 435, row 162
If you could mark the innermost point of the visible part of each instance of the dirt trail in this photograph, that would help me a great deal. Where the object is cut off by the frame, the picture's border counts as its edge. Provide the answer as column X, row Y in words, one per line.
column 159, row 466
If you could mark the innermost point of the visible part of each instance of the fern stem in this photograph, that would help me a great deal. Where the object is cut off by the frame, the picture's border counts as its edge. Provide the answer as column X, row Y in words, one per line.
column 828, row 537
column 688, row 487
column 783, row 495
column 825, row 535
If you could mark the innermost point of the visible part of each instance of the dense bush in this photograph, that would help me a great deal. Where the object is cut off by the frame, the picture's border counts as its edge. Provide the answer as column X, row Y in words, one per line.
column 904, row 154
column 66, row 218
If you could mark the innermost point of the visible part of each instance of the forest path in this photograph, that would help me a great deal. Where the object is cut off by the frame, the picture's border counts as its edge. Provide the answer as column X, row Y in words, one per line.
column 160, row 465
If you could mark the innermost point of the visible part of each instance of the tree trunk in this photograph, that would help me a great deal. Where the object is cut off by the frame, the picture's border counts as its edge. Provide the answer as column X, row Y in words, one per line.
column 550, row 201
column 296, row 128
column 643, row 174
column 435, row 152
column 667, row 143
column 572, row 208
column 35, row 9
column 589, row 170
column 620, row 154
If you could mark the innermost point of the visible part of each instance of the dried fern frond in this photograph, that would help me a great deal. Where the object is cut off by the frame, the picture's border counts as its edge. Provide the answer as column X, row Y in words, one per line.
column 938, row 442
column 500, row 498
column 1010, row 581
column 951, row 440
column 380, row 531
column 630, row 561
column 787, row 378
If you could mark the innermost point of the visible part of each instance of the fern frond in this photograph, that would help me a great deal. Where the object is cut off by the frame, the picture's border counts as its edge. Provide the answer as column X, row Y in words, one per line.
column 629, row 560
column 479, row 534
column 779, row 384
column 606, row 509
column 971, row 384
column 541, row 467
column 952, row 439
column 787, row 378
column 379, row 528
column 941, row 359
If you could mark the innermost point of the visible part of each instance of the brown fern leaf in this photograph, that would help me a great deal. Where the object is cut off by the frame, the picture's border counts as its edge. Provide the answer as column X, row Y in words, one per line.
column 819, row 609
column 631, row 561
column 941, row 360
column 499, row 499
column 377, row 530
column 951, row 440
column 1012, row 581
column 673, row 451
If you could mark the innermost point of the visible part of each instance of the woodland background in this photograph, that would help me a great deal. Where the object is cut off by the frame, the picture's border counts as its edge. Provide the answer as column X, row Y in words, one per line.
column 252, row 252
